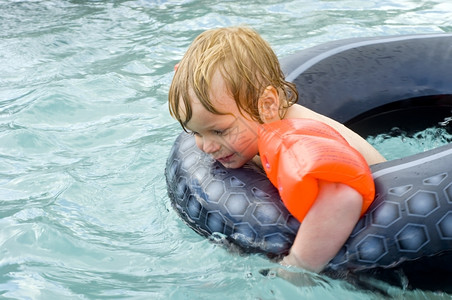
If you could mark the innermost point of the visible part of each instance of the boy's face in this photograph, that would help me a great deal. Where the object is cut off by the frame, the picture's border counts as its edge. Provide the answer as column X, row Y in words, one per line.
column 231, row 139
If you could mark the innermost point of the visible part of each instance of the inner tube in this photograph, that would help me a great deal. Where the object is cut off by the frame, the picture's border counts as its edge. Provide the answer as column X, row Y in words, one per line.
column 359, row 82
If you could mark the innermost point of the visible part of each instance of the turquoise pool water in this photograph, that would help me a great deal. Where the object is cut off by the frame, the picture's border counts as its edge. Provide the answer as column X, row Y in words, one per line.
column 399, row 143
column 85, row 132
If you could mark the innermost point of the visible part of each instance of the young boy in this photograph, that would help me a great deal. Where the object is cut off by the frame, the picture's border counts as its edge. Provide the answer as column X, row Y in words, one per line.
column 226, row 86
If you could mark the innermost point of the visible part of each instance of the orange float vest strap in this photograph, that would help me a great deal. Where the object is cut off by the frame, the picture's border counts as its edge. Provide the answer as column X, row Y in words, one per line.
column 296, row 153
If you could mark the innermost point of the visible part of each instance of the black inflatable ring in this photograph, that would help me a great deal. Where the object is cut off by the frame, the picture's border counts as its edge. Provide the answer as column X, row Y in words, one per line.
column 351, row 81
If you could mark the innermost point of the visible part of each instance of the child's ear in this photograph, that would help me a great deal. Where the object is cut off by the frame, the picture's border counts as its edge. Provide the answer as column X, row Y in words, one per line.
column 268, row 105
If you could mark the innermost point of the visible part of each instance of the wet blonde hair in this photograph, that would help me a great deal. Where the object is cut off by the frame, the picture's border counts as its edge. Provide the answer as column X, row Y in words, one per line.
column 247, row 64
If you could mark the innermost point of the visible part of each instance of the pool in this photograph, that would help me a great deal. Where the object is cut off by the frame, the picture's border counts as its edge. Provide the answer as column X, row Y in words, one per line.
column 85, row 132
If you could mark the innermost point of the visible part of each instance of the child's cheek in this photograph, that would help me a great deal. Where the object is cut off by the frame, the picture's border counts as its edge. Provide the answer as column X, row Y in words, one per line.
column 198, row 141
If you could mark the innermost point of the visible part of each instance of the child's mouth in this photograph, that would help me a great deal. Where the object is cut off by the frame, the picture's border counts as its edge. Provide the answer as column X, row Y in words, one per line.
column 225, row 159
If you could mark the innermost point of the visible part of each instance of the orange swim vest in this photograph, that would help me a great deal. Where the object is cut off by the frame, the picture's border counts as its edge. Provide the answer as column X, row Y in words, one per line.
column 296, row 153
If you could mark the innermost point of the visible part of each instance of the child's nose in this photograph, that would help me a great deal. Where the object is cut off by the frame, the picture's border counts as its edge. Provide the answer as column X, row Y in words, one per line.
column 208, row 145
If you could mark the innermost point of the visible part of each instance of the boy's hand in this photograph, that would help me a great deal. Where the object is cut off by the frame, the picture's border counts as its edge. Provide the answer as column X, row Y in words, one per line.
column 326, row 227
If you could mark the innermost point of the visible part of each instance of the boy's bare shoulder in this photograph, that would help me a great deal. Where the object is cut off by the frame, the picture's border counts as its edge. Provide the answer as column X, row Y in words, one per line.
column 371, row 155
column 298, row 111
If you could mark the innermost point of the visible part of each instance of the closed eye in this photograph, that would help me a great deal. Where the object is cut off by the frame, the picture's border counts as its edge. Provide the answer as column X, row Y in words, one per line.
column 218, row 132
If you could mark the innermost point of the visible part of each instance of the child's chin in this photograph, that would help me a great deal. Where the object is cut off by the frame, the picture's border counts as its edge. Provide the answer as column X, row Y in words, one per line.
column 233, row 165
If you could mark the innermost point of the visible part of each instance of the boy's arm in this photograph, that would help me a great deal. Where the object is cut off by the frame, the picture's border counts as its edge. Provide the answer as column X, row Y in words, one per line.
column 326, row 227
